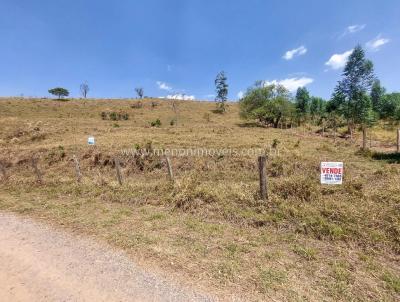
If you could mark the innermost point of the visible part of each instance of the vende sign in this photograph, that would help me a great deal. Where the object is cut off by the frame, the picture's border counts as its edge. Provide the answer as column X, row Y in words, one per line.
column 331, row 173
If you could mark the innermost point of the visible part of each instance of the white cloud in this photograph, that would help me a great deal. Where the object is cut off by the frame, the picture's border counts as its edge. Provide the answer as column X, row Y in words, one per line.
column 240, row 94
column 290, row 54
column 180, row 96
column 291, row 84
column 351, row 29
column 163, row 86
column 209, row 96
column 338, row 60
column 376, row 43
column 355, row 28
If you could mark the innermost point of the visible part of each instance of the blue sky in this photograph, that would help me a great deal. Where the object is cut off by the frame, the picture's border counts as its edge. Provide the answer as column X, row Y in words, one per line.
column 178, row 46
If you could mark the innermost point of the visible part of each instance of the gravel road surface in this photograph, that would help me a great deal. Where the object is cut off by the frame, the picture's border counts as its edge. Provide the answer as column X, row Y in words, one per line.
column 39, row 263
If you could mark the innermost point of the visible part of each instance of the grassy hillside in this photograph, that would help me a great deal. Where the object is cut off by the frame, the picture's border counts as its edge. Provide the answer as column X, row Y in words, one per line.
column 307, row 243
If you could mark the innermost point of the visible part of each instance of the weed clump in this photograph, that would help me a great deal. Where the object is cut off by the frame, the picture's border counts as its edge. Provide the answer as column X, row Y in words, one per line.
column 188, row 194
column 114, row 116
column 299, row 188
column 276, row 167
column 156, row 123
column 137, row 105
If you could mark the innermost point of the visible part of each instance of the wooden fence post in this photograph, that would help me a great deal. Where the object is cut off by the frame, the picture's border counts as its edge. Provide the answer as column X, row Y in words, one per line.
column 170, row 172
column 77, row 169
column 36, row 170
column 263, row 178
column 118, row 169
column 398, row 141
column 3, row 171
column 364, row 139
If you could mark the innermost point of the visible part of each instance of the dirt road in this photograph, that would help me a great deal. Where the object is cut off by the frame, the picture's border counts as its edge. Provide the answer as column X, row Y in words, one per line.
column 38, row 263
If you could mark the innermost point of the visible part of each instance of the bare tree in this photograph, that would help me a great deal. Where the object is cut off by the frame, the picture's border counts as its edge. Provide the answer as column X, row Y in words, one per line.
column 175, row 110
column 140, row 92
column 84, row 89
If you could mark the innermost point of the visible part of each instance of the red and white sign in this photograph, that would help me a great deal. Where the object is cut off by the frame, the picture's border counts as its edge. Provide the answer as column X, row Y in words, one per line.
column 331, row 173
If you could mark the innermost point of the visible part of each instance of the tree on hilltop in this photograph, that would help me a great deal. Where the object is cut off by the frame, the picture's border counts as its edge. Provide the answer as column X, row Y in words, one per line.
column 139, row 92
column 269, row 104
column 84, row 88
column 60, row 92
column 221, row 88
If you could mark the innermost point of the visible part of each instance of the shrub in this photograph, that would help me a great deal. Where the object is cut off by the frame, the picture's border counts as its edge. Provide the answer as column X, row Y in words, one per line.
column 275, row 143
column 114, row 116
column 156, row 123
column 276, row 167
column 137, row 105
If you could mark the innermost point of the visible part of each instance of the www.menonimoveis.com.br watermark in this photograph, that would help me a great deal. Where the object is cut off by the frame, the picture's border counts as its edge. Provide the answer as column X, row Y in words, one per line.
column 201, row 152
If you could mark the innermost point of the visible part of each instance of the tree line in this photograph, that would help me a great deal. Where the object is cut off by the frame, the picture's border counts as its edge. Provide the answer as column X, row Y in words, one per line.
column 358, row 100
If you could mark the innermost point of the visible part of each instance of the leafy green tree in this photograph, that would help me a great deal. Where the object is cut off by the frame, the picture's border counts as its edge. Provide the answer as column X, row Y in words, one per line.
column 269, row 104
column 390, row 106
column 303, row 103
column 377, row 94
column 221, row 88
column 364, row 113
column 60, row 92
column 317, row 107
column 351, row 94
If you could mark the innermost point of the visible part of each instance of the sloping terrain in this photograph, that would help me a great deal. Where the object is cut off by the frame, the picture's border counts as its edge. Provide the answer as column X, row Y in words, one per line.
column 307, row 243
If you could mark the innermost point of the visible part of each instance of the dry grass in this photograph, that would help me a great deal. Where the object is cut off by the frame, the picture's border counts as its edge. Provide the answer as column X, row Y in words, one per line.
column 308, row 243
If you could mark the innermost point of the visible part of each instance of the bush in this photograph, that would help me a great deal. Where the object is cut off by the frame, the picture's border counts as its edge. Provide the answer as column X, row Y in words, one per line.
column 276, row 168
column 275, row 143
column 156, row 123
column 137, row 105
column 114, row 116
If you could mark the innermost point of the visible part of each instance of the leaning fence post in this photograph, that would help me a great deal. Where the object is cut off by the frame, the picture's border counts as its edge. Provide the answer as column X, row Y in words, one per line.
column 77, row 169
column 36, row 170
column 170, row 172
column 398, row 140
column 263, row 178
column 118, row 169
